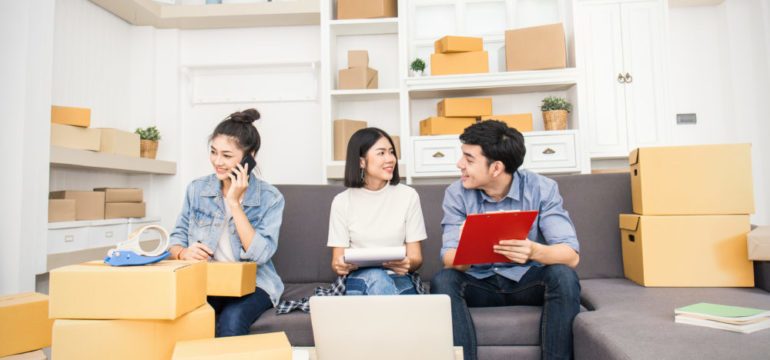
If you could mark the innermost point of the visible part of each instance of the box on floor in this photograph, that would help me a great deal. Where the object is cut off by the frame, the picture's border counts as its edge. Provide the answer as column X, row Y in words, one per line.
column 24, row 323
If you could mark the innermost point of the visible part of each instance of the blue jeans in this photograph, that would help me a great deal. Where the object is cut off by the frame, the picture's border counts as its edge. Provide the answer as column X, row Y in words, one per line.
column 376, row 281
column 555, row 287
column 234, row 315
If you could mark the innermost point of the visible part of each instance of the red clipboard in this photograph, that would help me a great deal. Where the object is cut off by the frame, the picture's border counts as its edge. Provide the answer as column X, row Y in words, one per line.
column 482, row 231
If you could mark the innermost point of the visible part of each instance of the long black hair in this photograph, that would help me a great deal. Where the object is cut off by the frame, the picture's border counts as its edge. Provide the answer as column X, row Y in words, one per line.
column 360, row 143
column 239, row 126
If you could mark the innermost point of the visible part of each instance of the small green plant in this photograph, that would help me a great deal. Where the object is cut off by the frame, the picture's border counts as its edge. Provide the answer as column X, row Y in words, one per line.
column 418, row 65
column 150, row 133
column 555, row 103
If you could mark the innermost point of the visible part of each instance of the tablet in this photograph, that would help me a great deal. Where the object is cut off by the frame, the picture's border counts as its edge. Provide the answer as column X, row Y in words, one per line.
column 482, row 231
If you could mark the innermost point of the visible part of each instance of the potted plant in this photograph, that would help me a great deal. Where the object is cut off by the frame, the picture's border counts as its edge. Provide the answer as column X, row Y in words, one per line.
column 149, row 145
column 418, row 67
column 555, row 112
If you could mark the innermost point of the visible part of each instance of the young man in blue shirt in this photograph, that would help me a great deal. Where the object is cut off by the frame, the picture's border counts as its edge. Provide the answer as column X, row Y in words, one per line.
column 540, row 270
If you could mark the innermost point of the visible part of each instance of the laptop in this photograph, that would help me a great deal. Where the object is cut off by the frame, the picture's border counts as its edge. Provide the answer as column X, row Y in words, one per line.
column 382, row 327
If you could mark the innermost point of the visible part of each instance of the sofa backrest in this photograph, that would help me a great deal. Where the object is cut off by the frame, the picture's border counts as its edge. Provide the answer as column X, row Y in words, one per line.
column 593, row 202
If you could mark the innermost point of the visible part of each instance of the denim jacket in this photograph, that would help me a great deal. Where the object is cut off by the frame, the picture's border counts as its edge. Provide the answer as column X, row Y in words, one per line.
column 203, row 216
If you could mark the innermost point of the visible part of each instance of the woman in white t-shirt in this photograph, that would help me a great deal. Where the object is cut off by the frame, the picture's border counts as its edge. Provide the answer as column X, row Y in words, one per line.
column 375, row 211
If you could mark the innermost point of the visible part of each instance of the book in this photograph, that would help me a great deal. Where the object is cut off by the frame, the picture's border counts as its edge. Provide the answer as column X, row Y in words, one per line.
column 483, row 231
column 732, row 318
column 370, row 257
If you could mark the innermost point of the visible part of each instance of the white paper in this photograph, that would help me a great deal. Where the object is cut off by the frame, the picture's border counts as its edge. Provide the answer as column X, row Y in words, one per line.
column 374, row 256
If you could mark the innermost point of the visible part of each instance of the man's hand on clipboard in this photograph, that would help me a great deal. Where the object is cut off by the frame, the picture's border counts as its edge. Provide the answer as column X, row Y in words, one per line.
column 517, row 251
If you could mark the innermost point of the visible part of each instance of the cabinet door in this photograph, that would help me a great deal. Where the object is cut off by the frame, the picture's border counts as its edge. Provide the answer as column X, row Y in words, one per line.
column 600, row 33
column 643, row 52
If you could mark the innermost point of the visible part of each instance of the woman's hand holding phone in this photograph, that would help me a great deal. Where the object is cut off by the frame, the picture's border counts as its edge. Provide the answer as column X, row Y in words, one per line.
column 239, row 181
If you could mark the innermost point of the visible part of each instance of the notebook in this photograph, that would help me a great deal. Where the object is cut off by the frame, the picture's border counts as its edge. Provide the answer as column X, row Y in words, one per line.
column 732, row 318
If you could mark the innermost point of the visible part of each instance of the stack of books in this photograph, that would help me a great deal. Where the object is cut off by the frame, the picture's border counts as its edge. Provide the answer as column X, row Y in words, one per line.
column 731, row 318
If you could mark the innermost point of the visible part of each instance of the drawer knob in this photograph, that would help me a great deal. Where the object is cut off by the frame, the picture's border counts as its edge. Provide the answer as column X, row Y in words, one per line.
column 549, row 151
column 438, row 155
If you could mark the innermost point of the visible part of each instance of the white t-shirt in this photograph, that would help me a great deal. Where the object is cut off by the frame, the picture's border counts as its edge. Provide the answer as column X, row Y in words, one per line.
column 362, row 218
column 224, row 251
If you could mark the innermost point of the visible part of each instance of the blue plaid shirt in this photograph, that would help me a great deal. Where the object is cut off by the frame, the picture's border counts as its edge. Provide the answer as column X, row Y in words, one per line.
column 529, row 191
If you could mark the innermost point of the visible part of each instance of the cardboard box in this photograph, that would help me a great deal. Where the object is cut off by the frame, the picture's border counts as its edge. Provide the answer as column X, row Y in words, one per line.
column 129, row 339
column 366, row 9
column 535, row 48
column 686, row 251
column 269, row 346
column 119, row 142
column 464, row 107
column 453, row 44
column 459, row 63
column 94, row 290
column 122, row 195
column 32, row 355
column 74, row 137
column 437, row 125
column 74, row 116
column 358, row 58
column 61, row 210
column 231, row 278
column 358, row 78
column 759, row 244
column 343, row 130
column 692, row 180
column 24, row 323
column 521, row 122
column 124, row 210
column 397, row 145
column 89, row 205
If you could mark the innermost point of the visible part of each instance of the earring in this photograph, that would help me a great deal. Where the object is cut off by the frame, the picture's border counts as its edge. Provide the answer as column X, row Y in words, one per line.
column 362, row 174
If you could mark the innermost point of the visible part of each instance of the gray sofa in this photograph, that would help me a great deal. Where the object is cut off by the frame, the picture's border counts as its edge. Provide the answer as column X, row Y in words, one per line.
column 621, row 320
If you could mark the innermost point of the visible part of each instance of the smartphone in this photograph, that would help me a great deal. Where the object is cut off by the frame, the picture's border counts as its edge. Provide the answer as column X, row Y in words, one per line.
column 247, row 160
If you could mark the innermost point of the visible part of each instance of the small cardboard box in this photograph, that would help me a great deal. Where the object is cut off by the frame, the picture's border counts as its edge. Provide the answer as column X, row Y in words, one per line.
column 269, row 346
column 366, row 9
column 24, row 323
column 119, row 142
column 74, row 137
column 343, row 130
column 686, row 251
column 32, row 355
column 437, row 125
column 129, row 339
column 358, row 58
column 692, row 180
column 535, row 48
column 122, row 195
column 231, row 278
column 94, row 290
column 453, row 44
column 521, row 122
column 464, row 107
column 397, row 145
column 358, row 78
column 74, row 116
column 759, row 244
column 459, row 63
column 89, row 205
column 124, row 210
column 61, row 210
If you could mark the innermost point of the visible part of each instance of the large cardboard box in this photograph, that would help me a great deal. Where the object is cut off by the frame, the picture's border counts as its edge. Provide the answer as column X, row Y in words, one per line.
column 464, row 107
column 129, row 339
column 343, row 130
column 535, row 48
column 759, row 244
column 61, row 210
column 119, row 142
column 24, row 323
column 94, row 290
column 74, row 137
column 686, row 251
column 692, row 180
column 32, row 355
column 231, row 278
column 66, row 115
column 124, row 210
column 521, row 122
column 89, row 205
column 459, row 63
column 121, row 195
column 453, row 44
column 269, row 346
column 358, row 58
column 358, row 78
column 366, row 9
column 437, row 125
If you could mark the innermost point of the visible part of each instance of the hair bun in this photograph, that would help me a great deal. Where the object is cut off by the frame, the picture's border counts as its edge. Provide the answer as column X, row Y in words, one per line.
column 247, row 116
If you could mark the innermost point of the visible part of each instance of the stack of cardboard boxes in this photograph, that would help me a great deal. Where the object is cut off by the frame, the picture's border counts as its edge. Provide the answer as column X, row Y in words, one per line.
column 459, row 55
column 344, row 129
column 358, row 75
column 535, row 48
column 70, row 129
column 24, row 326
column 123, row 203
column 102, row 203
column 456, row 114
column 692, row 207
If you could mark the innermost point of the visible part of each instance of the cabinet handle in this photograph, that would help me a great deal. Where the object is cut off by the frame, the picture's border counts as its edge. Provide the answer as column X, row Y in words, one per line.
column 621, row 79
column 549, row 151
column 108, row 234
column 438, row 155
column 69, row 238
column 628, row 78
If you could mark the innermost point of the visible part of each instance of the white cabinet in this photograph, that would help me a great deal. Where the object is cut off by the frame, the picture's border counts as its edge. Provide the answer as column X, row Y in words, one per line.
column 621, row 49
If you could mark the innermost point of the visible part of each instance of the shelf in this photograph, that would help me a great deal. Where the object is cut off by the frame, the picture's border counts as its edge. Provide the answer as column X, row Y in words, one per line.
column 150, row 13
column 492, row 83
column 84, row 159
column 102, row 222
column 335, row 170
column 364, row 26
column 365, row 94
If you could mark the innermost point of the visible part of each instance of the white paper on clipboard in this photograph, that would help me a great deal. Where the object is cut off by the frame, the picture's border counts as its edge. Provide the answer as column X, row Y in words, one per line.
column 367, row 257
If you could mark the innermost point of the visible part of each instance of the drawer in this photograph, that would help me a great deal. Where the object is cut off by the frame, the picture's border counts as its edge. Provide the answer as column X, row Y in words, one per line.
column 67, row 240
column 107, row 235
column 550, row 152
column 436, row 155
